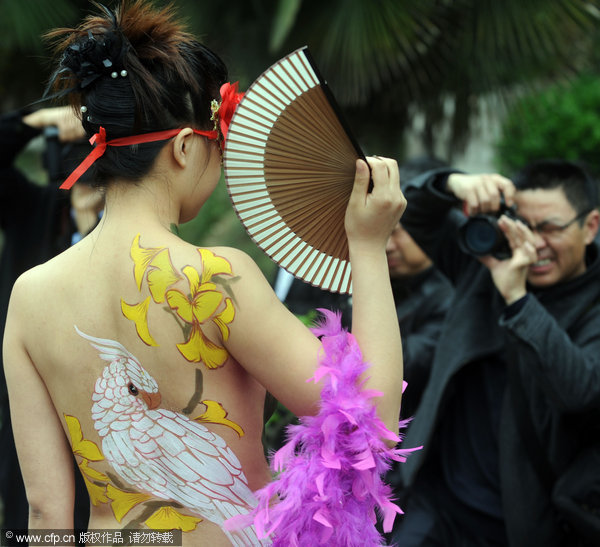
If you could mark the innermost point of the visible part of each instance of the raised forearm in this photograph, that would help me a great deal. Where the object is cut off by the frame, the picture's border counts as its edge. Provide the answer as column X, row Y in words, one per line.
column 375, row 326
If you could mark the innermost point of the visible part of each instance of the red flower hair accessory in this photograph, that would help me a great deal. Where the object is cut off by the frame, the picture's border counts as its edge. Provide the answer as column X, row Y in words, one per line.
column 222, row 112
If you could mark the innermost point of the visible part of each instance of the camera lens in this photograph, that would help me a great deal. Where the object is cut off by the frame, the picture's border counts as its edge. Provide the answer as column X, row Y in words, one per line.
column 481, row 236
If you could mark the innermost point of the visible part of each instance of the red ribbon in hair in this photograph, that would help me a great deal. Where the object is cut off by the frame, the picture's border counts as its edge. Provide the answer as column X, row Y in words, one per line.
column 230, row 98
column 99, row 139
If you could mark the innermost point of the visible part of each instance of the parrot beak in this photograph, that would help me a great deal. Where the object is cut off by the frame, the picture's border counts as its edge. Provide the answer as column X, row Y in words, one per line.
column 152, row 400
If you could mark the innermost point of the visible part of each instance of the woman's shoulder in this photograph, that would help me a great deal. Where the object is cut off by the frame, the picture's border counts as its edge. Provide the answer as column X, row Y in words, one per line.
column 217, row 260
column 36, row 278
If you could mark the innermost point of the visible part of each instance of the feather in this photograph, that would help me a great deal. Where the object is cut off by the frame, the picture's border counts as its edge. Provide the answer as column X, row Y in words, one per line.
column 330, row 482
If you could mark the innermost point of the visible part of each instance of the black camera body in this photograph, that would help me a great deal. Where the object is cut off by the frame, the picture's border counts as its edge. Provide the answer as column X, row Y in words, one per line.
column 480, row 235
column 60, row 159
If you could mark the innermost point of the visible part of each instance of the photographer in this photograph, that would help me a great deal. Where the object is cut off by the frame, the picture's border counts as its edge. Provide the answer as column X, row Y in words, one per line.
column 37, row 222
column 508, row 419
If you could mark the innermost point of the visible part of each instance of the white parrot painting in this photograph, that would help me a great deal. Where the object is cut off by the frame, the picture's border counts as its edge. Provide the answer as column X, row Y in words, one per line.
column 165, row 453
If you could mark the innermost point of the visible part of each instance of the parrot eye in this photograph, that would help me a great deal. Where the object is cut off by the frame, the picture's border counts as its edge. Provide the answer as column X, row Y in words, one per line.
column 133, row 390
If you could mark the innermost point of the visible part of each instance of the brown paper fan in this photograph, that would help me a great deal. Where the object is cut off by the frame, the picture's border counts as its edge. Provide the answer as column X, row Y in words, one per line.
column 289, row 165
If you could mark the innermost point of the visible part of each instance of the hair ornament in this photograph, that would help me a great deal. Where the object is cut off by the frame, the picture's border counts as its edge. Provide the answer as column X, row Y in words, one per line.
column 99, row 142
column 222, row 111
column 92, row 57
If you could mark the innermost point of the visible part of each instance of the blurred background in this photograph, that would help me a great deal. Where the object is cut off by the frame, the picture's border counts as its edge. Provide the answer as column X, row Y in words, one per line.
column 483, row 84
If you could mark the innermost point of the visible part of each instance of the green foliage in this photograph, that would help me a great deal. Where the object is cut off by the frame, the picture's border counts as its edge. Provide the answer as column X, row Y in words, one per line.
column 562, row 121
column 274, row 434
column 285, row 16
column 384, row 59
column 22, row 24
column 388, row 59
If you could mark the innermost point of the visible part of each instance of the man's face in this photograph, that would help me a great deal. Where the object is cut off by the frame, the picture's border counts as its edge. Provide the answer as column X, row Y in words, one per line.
column 404, row 256
column 560, row 253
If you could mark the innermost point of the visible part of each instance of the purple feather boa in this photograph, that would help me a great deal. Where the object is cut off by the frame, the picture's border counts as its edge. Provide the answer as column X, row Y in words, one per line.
column 330, row 471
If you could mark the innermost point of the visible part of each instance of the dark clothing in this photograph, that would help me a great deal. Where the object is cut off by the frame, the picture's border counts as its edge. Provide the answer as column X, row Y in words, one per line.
column 550, row 346
column 444, row 520
column 37, row 225
column 302, row 298
column 422, row 302
column 474, row 417
column 34, row 219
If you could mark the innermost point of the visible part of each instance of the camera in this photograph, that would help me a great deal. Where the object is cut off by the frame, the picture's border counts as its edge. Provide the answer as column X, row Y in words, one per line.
column 480, row 235
column 61, row 158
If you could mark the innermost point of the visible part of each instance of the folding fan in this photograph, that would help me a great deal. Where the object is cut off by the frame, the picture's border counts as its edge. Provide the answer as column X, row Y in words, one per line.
column 289, row 166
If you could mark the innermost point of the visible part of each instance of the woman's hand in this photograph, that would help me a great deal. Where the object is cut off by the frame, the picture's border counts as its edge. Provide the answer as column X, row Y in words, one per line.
column 371, row 216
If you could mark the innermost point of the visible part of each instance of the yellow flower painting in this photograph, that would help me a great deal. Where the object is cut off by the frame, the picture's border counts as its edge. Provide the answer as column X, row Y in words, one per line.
column 203, row 304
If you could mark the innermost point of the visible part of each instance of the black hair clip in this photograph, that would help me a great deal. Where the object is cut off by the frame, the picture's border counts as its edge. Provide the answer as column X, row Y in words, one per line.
column 92, row 58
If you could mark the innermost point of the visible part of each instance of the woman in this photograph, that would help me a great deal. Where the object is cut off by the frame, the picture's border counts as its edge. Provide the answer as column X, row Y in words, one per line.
column 147, row 357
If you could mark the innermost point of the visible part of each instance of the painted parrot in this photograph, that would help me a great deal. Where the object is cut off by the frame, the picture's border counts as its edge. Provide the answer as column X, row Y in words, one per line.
column 164, row 453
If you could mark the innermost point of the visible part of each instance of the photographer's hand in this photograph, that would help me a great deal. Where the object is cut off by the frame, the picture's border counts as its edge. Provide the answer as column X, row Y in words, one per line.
column 481, row 193
column 510, row 275
column 62, row 117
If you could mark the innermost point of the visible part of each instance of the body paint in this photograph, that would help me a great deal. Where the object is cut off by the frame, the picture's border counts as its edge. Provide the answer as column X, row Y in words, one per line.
column 162, row 454
column 202, row 304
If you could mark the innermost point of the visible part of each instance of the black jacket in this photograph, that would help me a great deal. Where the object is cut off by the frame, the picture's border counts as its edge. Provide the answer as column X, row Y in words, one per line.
column 551, row 346
column 35, row 220
column 36, row 225
column 422, row 302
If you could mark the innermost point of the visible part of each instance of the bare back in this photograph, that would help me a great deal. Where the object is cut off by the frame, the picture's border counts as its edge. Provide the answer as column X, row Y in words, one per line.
column 128, row 332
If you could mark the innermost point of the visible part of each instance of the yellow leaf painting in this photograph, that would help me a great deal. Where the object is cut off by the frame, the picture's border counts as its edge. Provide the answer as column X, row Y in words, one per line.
column 224, row 318
column 97, row 492
column 199, row 349
column 193, row 278
column 138, row 313
column 167, row 518
column 161, row 276
column 92, row 473
column 216, row 414
column 141, row 259
column 82, row 447
column 122, row 502
column 213, row 265
column 180, row 304
column 204, row 303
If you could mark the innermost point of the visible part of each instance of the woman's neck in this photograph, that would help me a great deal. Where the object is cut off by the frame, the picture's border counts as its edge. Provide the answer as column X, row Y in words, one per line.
column 150, row 202
column 86, row 204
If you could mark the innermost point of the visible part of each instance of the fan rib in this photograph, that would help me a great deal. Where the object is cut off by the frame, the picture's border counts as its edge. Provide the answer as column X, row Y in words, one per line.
column 289, row 167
